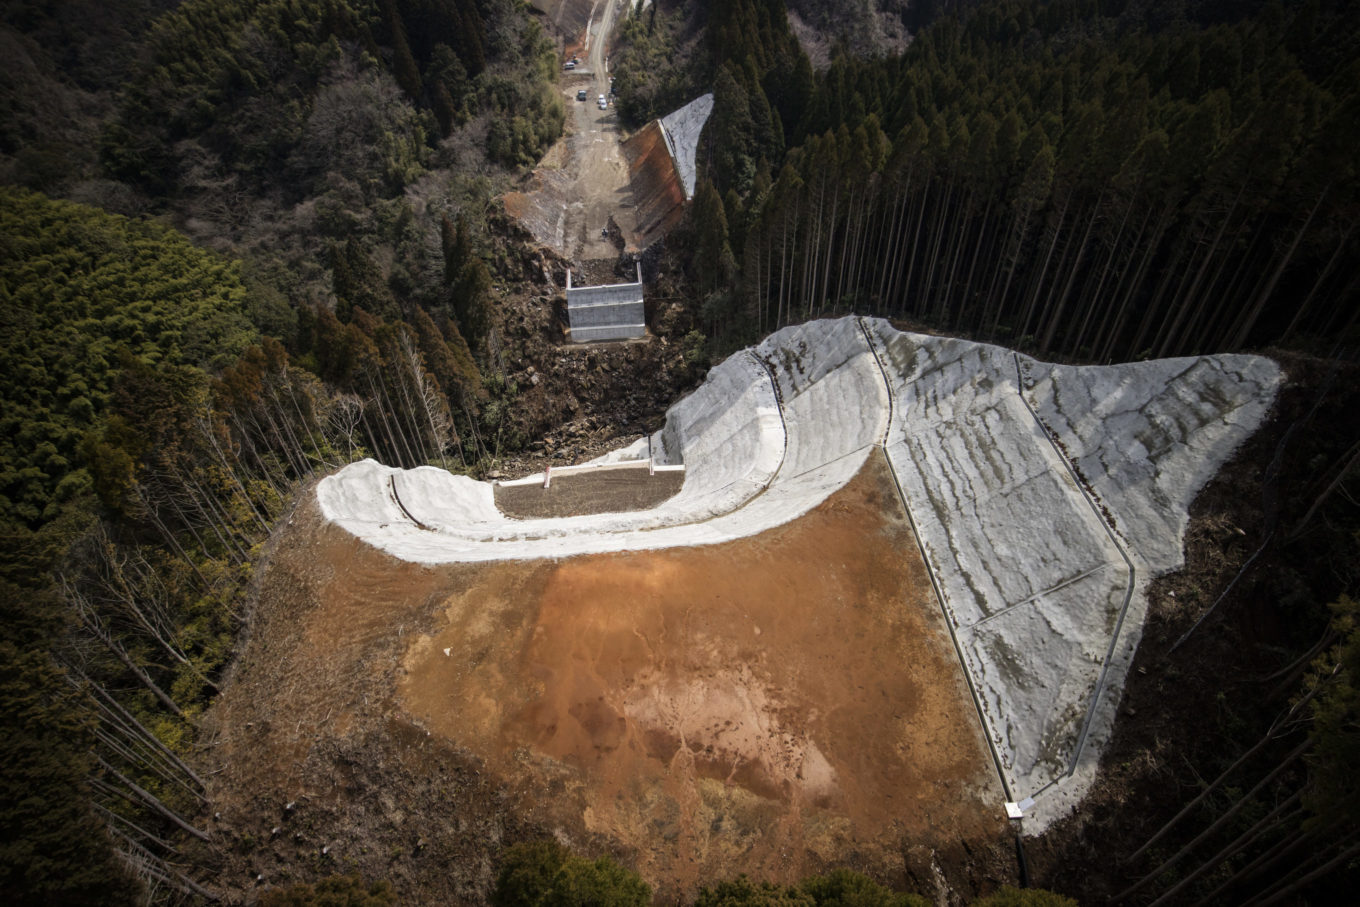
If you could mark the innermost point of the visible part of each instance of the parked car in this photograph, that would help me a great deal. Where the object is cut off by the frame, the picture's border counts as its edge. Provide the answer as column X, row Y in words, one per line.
column 581, row 95
column 604, row 104
column 570, row 64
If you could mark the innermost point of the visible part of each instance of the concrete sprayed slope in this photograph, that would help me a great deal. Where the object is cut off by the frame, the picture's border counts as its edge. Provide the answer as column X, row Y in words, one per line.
column 730, row 434
column 1010, row 494
column 1147, row 437
column 1043, row 497
column 682, row 129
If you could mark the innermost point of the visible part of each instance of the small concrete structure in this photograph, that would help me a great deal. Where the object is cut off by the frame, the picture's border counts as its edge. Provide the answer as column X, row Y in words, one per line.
column 608, row 312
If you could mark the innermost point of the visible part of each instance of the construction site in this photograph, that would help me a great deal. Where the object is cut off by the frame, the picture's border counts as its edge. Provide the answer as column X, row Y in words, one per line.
column 598, row 198
column 890, row 599
column 868, row 598
column 594, row 179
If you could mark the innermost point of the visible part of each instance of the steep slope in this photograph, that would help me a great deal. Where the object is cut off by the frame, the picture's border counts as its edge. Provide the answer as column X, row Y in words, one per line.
column 1043, row 499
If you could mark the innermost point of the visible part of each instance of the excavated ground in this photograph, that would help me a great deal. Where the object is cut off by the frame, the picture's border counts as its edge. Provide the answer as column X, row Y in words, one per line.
column 601, row 491
column 569, row 18
column 658, row 196
column 770, row 706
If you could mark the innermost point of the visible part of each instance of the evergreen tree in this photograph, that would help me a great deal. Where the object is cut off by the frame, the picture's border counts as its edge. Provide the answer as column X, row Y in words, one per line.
column 403, row 63
column 546, row 874
column 54, row 849
column 713, row 250
column 730, row 132
column 358, row 284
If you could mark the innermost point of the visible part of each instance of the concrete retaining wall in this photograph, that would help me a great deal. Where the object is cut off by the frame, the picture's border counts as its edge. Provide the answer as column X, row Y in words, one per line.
column 606, row 312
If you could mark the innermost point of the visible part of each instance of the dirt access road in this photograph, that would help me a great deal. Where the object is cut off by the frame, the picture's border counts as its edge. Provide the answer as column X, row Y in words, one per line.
column 583, row 179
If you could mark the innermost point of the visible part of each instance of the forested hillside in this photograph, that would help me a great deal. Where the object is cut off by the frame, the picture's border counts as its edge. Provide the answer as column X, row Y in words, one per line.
column 153, row 436
column 1102, row 181
column 243, row 242
column 161, row 402
column 110, row 325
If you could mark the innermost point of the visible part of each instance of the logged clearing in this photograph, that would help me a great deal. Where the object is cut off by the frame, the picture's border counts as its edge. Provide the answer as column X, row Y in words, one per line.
column 772, row 705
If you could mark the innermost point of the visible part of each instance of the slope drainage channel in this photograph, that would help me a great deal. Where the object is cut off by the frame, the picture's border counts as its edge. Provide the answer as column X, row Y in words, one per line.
column 930, row 571
column 783, row 425
column 396, row 499
column 1114, row 540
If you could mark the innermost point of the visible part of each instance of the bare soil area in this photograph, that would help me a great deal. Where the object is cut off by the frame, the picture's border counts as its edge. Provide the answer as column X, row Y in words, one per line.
column 658, row 196
column 568, row 17
column 598, row 491
column 772, row 706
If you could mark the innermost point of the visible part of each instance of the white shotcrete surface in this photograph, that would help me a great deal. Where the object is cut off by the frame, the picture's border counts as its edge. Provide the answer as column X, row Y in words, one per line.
column 1044, row 499
column 681, row 129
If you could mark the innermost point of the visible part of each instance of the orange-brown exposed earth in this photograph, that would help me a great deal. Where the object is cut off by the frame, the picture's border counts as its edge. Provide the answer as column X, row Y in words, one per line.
column 773, row 706
column 658, row 196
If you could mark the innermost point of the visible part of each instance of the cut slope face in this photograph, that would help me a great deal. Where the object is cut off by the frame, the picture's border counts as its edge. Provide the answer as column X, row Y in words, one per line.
column 1043, row 498
column 661, row 170
column 570, row 18
column 658, row 194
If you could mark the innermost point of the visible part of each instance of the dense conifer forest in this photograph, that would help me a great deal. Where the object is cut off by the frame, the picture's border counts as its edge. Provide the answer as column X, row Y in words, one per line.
column 1102, row 181
column 243, row 243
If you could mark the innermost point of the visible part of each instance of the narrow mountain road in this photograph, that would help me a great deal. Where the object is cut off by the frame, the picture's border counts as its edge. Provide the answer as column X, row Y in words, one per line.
column 583, row 179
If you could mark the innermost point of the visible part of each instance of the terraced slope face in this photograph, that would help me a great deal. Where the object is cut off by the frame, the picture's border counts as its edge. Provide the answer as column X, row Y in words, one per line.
column 1043, row 499
column 753, row 439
